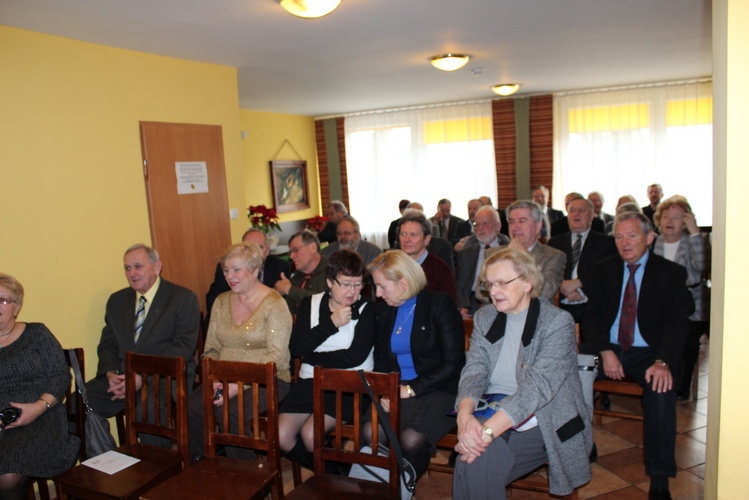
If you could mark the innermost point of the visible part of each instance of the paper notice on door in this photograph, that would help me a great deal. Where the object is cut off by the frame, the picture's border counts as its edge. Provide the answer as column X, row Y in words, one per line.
column 111, row 462
column 192, row 177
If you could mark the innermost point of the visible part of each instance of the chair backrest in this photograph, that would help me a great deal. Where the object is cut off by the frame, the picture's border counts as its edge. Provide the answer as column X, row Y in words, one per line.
column 160, row 407
column 258, row 431
column 468, row 331
column 340, row 382
column 74, row 406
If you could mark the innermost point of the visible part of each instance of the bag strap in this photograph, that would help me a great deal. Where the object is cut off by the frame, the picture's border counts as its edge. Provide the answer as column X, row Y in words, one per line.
column 79, row 383
column 385, row 423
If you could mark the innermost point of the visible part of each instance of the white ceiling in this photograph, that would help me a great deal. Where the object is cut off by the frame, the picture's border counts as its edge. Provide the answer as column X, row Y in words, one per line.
column 372, row 54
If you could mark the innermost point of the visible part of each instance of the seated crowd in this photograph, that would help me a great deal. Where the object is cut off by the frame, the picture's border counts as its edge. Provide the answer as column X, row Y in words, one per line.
column 539, row 286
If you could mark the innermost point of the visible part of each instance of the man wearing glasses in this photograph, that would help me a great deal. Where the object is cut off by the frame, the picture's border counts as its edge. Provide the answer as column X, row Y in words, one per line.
column 349, row 238
column 308, row 277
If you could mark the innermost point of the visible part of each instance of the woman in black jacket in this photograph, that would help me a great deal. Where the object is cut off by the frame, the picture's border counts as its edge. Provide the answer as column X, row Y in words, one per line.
column 419, row 334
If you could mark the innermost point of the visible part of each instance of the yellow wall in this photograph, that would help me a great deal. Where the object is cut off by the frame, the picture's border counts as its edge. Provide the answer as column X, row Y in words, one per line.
column 727, row 435
column 266, row 136
column 73, row 196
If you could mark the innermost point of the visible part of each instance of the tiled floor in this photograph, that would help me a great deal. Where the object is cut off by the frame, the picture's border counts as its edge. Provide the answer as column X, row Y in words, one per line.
column 619, row 473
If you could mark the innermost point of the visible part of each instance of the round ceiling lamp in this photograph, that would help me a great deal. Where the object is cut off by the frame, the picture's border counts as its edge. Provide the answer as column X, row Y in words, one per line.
column 449, row 62
column 309, row 9
column 506, row 89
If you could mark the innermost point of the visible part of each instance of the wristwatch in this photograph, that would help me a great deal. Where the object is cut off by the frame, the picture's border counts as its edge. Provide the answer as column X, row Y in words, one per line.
column 489, row 432
column 661, row 362
column 409, row 391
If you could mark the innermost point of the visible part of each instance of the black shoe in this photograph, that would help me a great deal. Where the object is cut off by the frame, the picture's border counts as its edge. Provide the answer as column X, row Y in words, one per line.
column 593, row 457
column 682, row 395
column 605, row 401
column 659, row 494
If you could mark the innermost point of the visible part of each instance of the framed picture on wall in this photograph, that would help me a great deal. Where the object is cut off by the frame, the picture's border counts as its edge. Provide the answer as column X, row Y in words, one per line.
column 290, row 185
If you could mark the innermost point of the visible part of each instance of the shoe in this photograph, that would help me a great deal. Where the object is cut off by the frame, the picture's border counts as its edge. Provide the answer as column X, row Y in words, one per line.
column 593, row 457
column 682, row 395
column 605, row 401
column 659, row 494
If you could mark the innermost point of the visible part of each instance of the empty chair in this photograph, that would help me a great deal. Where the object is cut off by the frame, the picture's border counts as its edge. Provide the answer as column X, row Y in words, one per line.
column 160, row 411
column 216, row 477
column 328, row 486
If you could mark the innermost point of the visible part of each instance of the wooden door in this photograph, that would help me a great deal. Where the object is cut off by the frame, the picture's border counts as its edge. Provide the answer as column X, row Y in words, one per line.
column 190, row 231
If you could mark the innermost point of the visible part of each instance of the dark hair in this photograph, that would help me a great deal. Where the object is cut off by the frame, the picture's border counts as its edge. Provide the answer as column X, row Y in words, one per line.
column 345, row 263
column 403, row 204
column 307, row 238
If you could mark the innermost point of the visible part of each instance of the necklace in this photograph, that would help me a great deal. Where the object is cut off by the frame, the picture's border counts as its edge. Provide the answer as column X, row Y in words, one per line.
column 3, row 335
column 403, row 323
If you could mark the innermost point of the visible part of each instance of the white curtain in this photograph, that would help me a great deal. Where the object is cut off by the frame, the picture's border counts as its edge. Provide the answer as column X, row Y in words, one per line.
column 620, row 141
column 421, row 155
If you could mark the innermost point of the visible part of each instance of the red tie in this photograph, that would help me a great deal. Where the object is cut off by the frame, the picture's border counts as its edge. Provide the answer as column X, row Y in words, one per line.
column 304, row 282
column 629, row 311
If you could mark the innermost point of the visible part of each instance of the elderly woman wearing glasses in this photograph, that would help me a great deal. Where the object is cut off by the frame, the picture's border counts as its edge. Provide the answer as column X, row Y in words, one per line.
column 34, row 376
column 419, row 334
column 520, row 402
column 334, row 329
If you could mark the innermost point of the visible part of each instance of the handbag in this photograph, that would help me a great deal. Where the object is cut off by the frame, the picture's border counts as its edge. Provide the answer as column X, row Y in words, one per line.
column 369, row 473
column 98, row 438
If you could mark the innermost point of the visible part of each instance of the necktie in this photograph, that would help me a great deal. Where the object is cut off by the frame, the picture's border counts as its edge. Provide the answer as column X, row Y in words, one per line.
column 140, row 318
column 304, row 282
column 629, row 311
column 576, row 248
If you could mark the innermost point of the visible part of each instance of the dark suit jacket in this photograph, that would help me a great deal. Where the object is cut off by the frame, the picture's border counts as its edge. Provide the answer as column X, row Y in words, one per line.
column 393, row 233
column 465, row 228
column 328, row 234
column 439, row 276
column 437, row 343
column 597, row 247
column 561, row 226
column 444, row 250
column 171, row 327
column 271, row 273
column 452, row 228
column 554, row 215
column 662, row 306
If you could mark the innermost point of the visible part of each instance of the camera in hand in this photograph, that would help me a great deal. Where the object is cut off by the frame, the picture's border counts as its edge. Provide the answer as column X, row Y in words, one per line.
column 9, row 415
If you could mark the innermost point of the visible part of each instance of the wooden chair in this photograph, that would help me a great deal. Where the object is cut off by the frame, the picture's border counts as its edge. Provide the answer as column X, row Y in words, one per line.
column 163, row 380
column 331, row 487
column 624, row 387
column 217, row 477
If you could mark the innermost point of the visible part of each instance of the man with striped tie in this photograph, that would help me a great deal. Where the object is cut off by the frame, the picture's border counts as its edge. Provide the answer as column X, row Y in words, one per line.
column 151, row 316
column 584, row 249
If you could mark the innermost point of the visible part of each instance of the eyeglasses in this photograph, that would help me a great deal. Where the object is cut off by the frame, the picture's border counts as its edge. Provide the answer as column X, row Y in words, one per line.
column 6, row 300
column 501, row 285
column 295, row 250
column 349, row 286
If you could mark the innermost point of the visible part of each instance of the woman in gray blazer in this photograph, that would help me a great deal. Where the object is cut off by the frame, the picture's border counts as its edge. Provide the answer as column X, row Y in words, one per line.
column 524, row 348
column 680, row 241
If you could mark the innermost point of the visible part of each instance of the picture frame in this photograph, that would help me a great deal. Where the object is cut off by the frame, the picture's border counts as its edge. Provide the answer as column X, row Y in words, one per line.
column 290, row 185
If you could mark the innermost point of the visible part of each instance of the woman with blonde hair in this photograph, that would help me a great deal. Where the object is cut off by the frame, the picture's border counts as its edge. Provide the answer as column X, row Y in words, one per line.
column 680, row 241
column 252, row 323
column 419, row 334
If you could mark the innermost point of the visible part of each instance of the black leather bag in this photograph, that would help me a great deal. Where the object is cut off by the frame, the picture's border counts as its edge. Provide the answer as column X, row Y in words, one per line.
column 98, row 438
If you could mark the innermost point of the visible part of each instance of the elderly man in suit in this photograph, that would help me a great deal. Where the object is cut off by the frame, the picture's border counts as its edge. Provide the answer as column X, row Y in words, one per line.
column 335, row 212
column 549, row 215
column 637, row 320
column 584, row 248
column 526, row 219
column 308, row 277
column 446, row 222
column 152, row 316
column 470, row 259
column 596, row 198
column 561, row 226
column 349, row 238
column 269, row 274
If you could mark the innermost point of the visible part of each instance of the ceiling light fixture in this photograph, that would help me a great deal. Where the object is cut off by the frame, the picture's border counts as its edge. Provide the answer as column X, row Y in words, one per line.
column 506, row 89
column 449, row 62
column 309, row 9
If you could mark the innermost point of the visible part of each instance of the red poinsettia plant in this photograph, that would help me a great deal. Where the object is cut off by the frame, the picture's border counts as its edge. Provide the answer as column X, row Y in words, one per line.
column 316, row 223
column 263, row 218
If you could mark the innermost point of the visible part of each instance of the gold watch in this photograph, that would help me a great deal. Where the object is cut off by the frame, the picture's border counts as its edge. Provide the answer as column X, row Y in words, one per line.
column 489, row 432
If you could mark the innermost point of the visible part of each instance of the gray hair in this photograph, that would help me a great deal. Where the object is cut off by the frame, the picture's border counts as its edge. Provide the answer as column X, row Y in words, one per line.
column 491, row 210
column 153, row 255
column 256, row 230
column 14, row 286
column 645, row 224
column 338, row 206
column 353, row 221
column 417, row 216
column 536, row 211
column 307, row 237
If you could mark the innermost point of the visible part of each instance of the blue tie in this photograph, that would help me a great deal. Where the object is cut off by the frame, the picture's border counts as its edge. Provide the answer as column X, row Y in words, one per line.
column 140, row 318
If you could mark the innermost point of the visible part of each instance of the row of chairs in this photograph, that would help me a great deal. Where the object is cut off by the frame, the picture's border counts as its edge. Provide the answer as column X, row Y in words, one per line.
column 165, row 473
